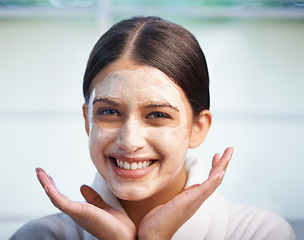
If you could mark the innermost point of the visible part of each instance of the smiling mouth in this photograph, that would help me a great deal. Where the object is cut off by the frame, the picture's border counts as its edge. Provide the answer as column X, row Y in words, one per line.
column 132, row 166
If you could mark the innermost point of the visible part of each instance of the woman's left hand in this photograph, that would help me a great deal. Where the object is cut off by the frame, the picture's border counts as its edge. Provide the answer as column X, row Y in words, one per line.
column 164, row 220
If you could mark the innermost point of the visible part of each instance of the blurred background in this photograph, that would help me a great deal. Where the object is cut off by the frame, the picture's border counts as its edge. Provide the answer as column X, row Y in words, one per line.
column 255, row 53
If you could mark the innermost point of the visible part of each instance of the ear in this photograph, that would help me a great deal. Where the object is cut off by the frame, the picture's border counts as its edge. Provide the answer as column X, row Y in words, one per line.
column 86, row 117
column 200, row 128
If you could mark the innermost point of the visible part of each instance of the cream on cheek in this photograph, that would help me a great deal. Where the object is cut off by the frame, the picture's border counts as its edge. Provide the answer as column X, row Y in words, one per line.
column 98, row 138
column 173, row 144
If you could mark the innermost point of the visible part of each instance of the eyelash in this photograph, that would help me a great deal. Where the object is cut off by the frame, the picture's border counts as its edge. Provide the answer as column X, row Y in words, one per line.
column 163, row 115
column 105, row 111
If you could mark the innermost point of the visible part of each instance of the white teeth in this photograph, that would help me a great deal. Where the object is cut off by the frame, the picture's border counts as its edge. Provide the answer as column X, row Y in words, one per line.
column 144, row 164
column 126, row 165
column 134, row 165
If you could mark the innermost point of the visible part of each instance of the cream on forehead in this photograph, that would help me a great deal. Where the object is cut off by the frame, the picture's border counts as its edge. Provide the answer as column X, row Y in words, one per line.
column 161, row 87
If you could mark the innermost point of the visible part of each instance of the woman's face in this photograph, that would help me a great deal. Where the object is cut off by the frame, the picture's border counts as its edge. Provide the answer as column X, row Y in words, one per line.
column 139, row 124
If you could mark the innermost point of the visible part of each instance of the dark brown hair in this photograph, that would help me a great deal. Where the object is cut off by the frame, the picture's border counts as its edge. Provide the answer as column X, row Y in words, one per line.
column 158, row 43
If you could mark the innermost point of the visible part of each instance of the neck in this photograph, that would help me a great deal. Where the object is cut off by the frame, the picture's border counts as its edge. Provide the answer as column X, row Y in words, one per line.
column 137, row 210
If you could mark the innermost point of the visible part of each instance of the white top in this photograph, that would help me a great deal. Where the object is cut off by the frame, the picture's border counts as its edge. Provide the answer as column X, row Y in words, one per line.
column 216, row 219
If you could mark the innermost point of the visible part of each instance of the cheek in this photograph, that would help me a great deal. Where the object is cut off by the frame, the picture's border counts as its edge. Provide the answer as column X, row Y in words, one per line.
column 172, row 144
column 99, row 138
column 175, row 140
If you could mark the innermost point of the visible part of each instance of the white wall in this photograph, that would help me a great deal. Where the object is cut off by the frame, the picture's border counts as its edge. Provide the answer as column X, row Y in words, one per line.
column 256, row 70
column 257, row 79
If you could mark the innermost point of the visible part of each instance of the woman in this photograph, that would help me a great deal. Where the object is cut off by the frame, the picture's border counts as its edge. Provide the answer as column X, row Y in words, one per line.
column 146, row 90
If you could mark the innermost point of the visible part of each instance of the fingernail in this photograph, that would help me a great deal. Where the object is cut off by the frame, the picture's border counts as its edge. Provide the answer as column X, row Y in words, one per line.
column 231, row 152
column 232, row 149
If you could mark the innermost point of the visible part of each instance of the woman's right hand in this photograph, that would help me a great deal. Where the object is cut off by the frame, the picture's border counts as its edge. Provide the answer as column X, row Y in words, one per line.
column 96, row 216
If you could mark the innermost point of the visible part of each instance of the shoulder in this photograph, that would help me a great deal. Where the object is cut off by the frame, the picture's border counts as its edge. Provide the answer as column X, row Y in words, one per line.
column 248, row 222
column 52, row 227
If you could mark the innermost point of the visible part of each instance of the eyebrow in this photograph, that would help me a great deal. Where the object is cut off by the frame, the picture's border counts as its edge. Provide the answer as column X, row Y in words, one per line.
column 106, row 100
column 153, row 105
column 164, row 105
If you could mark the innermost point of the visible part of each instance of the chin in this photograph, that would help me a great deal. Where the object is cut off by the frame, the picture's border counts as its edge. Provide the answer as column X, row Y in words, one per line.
column 130, row 194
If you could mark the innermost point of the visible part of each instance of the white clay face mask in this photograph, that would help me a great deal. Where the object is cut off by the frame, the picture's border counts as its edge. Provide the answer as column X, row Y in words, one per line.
column 139, row 130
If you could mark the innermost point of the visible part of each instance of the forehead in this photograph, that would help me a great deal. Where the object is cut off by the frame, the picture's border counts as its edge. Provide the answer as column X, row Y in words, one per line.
column 139, row 83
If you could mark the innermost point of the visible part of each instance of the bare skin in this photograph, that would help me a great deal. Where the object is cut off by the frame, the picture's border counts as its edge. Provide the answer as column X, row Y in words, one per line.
column 101, row 220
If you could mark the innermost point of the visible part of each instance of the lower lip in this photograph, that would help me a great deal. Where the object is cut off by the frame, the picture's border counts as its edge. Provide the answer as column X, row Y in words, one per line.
column 132, row 174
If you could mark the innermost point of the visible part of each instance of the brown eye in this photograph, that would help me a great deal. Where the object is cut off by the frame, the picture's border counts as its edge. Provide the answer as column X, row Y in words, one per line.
column 159, row 115
column 108, row 112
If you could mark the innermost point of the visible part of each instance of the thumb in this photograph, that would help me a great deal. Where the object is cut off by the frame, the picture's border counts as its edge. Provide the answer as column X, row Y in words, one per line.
column 92, row 197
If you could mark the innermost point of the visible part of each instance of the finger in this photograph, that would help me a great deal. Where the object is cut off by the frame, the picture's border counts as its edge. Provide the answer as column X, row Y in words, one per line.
column 59, row 200
column 216, row 175
column 210, row 185
column 190, row 187
column 51, row 179
column 63, row 203
column 198, row 193
column 216, row 160
column 43, row 178
column 221, row 164
column 194, row 196
column 225, row 159
column 92, row 197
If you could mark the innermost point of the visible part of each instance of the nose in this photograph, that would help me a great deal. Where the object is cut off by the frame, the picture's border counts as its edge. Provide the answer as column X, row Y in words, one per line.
column 131, row 136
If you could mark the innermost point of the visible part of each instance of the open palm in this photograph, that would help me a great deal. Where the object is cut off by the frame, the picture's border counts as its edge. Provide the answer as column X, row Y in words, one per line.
column 96, row 217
